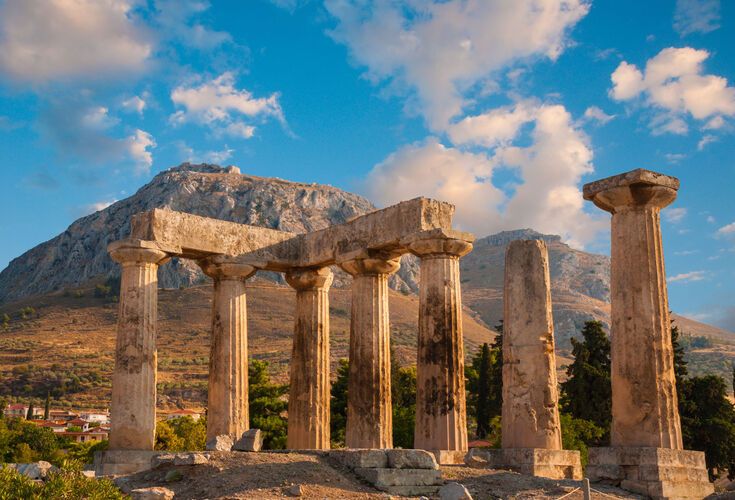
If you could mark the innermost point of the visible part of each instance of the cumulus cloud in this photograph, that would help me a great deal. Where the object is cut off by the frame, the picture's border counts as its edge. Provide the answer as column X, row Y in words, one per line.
column 674, row 85
column 221, row 106
column 595, row 114
column 687, row 277
column 438, row 50
column 696, row 16
column 187, row 153
column 675, row 215
column 727, row 230
column 138, row 146
column 705, row 140
column 135, row 104
column 178, row 19
column 546, row 198
column 43, row 40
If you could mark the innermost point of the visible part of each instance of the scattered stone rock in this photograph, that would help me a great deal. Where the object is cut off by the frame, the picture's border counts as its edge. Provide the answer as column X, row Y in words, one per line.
column 173, row 475
column 222, row 442
column 454, row 491
column 296, row 490
column 411, row 459
column 163, row 459
column 88, row 473
column 156, row 493
column 251, row 440
column 35, row 470
column 190, row 459
column 354, row 459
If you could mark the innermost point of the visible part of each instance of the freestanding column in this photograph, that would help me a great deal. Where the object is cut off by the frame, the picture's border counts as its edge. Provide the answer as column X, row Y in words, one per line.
column 369, row 411
column 646, row 431
column 227, row 403
column 308, row 402
column 133, row 409
column 441, row 414
column 530, row 396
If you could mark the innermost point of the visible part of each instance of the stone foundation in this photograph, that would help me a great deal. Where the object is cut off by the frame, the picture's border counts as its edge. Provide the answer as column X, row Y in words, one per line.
column 659, row 473
column 449, row 457
column 122, row 462
column 553, row 464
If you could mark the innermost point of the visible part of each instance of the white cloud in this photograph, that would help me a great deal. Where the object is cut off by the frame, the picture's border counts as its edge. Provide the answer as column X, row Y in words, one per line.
column 134, row 104
column 42, row 40
column 442, row 49
column 187, row 153
column 675, row 215
column 715, row 123
column 687, row 277
column 696, row 16
column 707, row 139
column 176, row 18
column 100, row 205
column 218, row 104
column 727, row 230
column 711, row 219
column 138, row 146
column 497, row 126
column 686, row 252
column 674, row 157
column 673, row 84
column 550, row 168
column 593, row 113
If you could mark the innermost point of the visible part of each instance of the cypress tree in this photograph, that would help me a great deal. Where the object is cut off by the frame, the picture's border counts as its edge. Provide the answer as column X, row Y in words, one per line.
column 47, row 407
column 496, row 373
column 338, row 404
column 29, row 413
column 483, row 402
column 587, row 392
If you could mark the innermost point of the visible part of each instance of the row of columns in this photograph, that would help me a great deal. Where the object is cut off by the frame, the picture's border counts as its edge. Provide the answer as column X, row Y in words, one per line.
column 440, row 408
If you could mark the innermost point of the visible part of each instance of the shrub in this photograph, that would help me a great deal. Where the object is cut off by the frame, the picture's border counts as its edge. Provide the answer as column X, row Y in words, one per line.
column 65, row 484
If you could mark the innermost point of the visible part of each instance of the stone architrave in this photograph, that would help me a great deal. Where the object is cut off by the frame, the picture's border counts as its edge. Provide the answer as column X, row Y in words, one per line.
column 227, row 402
column 133, row 408
column 531, row 442
column 530, row 395
column 645, row 414
column 308, row 403
column 441, row 414
column 369, row 411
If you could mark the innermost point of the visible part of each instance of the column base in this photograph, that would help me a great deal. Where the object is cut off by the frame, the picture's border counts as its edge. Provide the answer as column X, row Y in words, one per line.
column 659, row 473
column 552, row 464
column 122, row 462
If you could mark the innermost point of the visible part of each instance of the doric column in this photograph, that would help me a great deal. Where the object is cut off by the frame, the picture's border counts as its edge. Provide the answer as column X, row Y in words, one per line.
column 227, row 403
column 308, row 402
column 644, row 408
column 369, row 411
column 530, row 395
column 133, row 410
column 441, row 415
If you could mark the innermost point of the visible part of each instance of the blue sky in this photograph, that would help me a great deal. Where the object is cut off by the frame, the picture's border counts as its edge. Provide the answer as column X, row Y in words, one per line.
column 503, row 108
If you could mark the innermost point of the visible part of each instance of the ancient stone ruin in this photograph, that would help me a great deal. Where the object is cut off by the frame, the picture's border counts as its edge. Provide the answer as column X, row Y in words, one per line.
column 645, row 455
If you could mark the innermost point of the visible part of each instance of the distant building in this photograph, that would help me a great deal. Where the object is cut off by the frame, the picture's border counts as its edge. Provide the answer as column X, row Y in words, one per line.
column 96, row 434
column 78, row 422
column 57, row 426
column 21, row 411
column 95, row 417
column 195, row 415
column 62, row 415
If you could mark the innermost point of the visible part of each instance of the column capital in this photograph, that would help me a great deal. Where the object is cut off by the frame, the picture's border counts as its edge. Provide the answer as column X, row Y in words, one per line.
column 219, row 267
column 440, row 247
column 127, row 252
column 635, row 189
column 371, row 265
column 310, row 278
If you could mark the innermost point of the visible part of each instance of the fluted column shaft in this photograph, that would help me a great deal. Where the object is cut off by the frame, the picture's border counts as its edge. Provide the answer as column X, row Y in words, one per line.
column 227, row 400
column 133, row 406
column 644, row 407
column 530, row 394
column 369, row 410
column 308, row 402
column 441, row 414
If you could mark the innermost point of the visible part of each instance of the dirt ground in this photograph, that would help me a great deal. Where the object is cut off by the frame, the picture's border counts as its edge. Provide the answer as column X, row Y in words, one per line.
column 271, row 475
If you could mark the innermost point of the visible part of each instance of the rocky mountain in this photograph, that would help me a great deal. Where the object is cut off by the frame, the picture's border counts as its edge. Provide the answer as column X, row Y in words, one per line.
column 580, row 280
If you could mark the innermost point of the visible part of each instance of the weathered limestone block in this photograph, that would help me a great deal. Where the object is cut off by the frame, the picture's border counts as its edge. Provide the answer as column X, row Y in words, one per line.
column 118, row 462
column 411, row 459
column 35, row 470
column 223, row 442
column 308, row 403
column 369, row 411
column 553, row 464
column 399, row 477
column 644, row 408
column 530, row 410
column 251, row 440
column 227, row 403
column 454, row 491
column 133, row 406
column 441, row 415
column 353, row 459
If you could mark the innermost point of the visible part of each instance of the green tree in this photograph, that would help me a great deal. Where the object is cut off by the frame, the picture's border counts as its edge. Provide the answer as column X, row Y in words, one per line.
column 5, row 321
column 587, row 392
column 338, row 405
column 267, row 405
column 47, row 407
column 484, row 377
column 577, row 433
column 166, row 437
column 403, row 396
column 29, row 413
column 680, row 363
